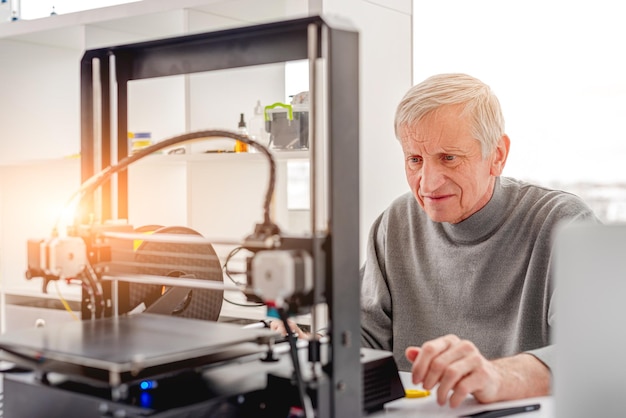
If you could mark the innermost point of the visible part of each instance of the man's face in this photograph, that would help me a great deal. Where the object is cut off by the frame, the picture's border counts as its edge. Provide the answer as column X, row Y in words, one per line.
column 445, row 167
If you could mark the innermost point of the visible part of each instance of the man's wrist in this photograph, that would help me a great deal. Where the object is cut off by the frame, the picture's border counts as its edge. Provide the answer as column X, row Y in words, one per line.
column 522, row 376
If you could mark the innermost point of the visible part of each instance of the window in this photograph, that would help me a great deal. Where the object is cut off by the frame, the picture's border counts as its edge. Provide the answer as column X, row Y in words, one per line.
column 558, row 69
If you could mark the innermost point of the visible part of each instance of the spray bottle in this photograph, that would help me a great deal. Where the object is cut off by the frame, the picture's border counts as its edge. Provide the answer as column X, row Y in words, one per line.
column 257, row 125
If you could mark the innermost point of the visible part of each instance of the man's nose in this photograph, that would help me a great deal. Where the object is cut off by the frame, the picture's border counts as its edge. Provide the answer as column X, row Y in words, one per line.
column 432, row 176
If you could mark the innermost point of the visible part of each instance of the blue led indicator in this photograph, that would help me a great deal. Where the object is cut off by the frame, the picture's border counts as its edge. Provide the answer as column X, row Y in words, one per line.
column 145, row 399
column 148, row 384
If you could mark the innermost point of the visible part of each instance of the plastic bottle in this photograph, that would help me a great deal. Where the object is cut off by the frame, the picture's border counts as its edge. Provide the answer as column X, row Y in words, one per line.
column 241, row 146
column 257, row 125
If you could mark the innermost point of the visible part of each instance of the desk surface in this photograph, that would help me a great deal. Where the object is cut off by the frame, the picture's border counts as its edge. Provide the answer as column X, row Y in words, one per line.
column 428, row 407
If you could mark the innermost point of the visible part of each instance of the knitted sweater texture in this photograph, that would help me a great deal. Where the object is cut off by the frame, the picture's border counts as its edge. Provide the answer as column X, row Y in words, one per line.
column 487, row 279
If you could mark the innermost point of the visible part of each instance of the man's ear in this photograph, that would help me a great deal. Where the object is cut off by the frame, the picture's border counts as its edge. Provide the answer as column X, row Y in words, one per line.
column 500, row 155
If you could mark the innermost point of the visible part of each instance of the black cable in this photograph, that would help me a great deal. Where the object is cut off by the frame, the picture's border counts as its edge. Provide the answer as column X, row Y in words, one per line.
column 91, row 184
column 227, row 271
column 92, row 278
column 245, row 305
column 291, row 337
column 86, row 285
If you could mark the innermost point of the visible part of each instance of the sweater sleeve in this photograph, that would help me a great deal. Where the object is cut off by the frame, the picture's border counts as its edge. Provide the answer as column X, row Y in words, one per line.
column 546, row 355
column 376, row 316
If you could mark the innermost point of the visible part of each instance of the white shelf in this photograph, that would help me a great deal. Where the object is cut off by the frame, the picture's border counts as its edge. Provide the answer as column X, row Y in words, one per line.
column 149, row 19
column 47, row 53
column 224, row 156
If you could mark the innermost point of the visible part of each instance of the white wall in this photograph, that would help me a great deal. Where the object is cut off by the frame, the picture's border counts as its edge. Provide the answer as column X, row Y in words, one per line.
column 38, row 126
column 385, row 75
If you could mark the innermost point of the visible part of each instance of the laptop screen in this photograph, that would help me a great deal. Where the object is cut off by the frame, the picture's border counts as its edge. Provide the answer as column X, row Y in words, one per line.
column 590, row 330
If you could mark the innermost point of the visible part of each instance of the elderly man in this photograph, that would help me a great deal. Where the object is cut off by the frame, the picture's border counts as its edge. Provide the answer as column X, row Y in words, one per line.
column 457, row 282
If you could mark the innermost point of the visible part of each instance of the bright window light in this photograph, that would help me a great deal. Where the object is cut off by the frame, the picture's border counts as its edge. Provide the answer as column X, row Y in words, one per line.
column 559, row 72
column 557, row 67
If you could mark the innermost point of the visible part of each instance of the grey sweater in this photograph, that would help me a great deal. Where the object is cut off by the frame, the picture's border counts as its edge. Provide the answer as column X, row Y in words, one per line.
column 486, row 279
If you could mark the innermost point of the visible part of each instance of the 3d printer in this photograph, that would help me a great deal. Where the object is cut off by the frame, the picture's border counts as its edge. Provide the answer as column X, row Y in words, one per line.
column 122, row 365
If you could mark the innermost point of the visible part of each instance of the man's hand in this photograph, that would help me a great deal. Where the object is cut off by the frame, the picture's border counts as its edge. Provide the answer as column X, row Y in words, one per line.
column 457, row 366
column 278, row 326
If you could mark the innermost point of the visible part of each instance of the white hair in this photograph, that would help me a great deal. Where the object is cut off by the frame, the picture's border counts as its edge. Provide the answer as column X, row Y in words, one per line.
column 480, row 103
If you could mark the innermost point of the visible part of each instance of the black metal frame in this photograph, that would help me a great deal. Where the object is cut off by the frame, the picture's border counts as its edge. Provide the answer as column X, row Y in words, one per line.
column 341, row 394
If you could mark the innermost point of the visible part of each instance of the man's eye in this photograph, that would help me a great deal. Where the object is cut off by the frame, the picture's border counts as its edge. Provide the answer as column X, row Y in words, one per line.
column 449, row 157
column 414, row 160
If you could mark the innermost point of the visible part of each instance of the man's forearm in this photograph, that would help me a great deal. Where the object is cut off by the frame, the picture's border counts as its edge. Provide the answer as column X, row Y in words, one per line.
column 523, row 376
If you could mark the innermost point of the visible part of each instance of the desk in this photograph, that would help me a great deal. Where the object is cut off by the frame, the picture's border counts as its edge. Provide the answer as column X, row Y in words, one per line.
column 428, row 407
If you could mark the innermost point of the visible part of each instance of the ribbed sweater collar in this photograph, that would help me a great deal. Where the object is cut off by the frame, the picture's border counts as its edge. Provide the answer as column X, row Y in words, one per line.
column 483, row 223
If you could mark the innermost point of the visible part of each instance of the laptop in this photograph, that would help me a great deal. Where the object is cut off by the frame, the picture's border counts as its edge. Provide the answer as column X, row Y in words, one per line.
column 590, row 329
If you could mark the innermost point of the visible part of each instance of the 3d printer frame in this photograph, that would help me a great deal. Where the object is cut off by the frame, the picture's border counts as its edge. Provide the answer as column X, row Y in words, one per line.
column 337, row 269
